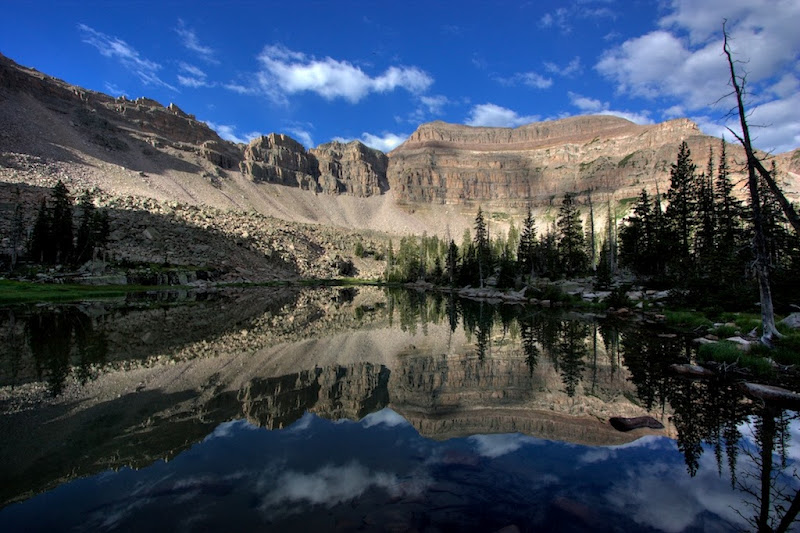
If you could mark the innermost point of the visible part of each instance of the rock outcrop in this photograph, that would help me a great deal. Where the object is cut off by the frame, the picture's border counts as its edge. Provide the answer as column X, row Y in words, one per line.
column 351, row 168
column 277, row 158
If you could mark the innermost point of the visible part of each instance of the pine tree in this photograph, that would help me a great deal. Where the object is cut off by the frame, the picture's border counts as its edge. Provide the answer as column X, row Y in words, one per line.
column 706, row 215
column 482, row 248
column 681, row 211
column 61, row 223
column 527, row 246
column 452, row 262
column 636, row 237
column 17, row 228
column 571, row 243
column 40, row 247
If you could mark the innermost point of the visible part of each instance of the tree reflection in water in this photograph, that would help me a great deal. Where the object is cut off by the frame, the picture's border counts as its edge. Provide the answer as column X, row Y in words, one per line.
column 752, row 435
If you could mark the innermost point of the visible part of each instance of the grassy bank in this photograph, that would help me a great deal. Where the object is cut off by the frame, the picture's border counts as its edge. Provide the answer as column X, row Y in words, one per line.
column 24, row 291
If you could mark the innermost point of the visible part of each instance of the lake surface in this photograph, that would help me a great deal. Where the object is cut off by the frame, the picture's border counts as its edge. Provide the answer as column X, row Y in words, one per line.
column 288, row 409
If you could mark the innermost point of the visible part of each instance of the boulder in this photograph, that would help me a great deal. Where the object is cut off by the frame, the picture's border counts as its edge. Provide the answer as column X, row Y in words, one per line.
column 792, row 321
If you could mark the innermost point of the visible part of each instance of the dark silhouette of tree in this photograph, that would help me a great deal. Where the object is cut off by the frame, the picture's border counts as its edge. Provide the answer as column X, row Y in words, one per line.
column 681, row 211
column 61, row 223
column 40, row 244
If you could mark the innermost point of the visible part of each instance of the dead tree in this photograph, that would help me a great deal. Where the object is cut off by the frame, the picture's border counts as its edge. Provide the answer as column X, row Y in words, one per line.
column 762, row 261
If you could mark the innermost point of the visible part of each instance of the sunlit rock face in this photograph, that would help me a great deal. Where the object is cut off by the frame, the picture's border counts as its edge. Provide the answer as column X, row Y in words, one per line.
column 333, row 392
column 455, row 164
column 351, row 168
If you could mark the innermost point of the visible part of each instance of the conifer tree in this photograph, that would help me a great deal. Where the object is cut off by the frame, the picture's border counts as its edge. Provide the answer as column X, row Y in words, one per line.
column 527, row 246
column 681, row 211
column 482, row 248
column 61, row 223
column 706, row 214
column 40, row 244
column 571, row 243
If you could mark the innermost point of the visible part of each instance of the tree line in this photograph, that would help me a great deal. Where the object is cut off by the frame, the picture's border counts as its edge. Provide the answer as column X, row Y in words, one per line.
column 696, row 238
column 504, row 261
column 701, row 244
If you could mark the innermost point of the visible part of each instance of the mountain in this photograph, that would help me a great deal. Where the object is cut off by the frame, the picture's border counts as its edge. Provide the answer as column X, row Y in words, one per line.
column 141, row 155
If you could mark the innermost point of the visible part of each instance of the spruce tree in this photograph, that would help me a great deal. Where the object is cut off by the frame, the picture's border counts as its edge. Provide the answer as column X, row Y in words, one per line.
column 527, row 246
column 482, row 247
column 681, row 211
column 706, row 216
column 61, row 223
column 40, row 247
column 571, row 243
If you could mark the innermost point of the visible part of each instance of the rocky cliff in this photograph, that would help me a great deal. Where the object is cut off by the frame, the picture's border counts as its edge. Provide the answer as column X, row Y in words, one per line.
column 453, row 164
column 141, row 148
column 332, row 168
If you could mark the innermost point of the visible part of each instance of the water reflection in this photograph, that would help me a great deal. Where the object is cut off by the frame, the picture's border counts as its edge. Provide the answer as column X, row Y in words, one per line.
column 479, row 407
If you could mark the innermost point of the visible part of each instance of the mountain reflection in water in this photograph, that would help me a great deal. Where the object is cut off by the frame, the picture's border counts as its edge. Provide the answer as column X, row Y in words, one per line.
column 398, row 411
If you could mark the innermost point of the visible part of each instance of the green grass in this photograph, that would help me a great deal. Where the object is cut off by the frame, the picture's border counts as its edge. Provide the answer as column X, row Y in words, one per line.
column 728, row 352
column 22, row 291
column 686, row 319
column 724, row 331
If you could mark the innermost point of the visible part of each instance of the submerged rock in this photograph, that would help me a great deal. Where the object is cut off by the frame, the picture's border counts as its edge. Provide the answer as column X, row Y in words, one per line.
column 628, row 424
column 695, row 371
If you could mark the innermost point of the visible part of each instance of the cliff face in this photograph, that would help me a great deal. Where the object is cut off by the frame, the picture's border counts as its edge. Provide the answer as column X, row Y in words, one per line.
column 351, row 168
column 332, row 168
column 448, row 163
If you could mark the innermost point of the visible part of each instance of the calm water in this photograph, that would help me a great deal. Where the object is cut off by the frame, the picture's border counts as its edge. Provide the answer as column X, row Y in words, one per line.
column 360, row 409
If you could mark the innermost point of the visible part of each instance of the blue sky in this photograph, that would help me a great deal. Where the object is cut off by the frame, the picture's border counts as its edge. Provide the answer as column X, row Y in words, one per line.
column 374, row 71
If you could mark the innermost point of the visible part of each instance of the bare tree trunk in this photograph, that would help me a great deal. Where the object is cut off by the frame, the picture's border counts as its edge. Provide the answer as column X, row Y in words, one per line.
column 762, row 262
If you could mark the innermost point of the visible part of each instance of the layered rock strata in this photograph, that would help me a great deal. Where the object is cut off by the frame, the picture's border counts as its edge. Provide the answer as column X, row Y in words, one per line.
column 454, row 164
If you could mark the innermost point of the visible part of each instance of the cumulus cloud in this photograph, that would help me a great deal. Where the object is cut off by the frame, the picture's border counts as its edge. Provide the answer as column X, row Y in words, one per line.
column 228, row 133
column 191, row 42
column 494, row 115
column 596, row 107
column 285, row 72
column 385, row 142
column 116, row 48
column 301, row 134
column 682, row 61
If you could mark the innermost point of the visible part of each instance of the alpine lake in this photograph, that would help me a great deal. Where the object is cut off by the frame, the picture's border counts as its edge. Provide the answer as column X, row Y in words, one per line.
column 371, row 409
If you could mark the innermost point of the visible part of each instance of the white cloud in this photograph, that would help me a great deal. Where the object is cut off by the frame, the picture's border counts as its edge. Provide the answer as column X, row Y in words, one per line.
column 596, row 107
column 116, row 48
column 228, row 133
column 192, row 76
column 302, row 135
column 113, row 90
column 385, row 142
column 496, row 116
column 288, row 72
column 572, row 68
column 682, row 62
column 434, row 104
column 191, row 42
